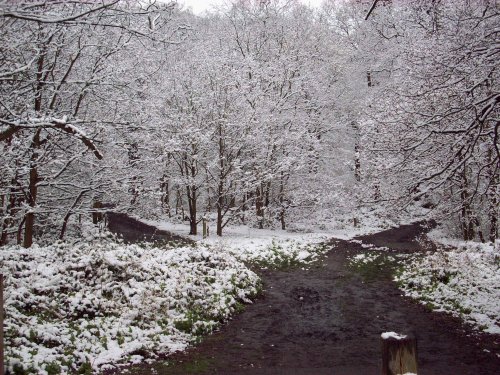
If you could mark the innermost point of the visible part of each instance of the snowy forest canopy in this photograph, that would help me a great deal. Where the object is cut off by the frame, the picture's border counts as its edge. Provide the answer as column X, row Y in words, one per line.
column 267, row 112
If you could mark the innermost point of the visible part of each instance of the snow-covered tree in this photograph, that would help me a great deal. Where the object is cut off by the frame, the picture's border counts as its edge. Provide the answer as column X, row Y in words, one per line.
column 59, row 62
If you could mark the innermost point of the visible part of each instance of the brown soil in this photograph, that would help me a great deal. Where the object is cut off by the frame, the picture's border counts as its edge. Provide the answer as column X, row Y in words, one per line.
column 328, row 320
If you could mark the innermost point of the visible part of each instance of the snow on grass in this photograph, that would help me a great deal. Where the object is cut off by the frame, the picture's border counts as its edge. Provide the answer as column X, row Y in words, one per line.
column 464, row 281
column 339, row 222
column 372, row 254
column 364, row 258
column 275, row 250
column 85, row 308
column 262, row 247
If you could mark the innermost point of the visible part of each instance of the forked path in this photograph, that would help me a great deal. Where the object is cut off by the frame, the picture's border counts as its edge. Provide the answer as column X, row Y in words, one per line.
column 328, row 320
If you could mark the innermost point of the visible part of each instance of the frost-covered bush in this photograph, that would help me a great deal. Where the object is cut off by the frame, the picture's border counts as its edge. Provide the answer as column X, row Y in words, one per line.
column 464, row 282
column 93, row 305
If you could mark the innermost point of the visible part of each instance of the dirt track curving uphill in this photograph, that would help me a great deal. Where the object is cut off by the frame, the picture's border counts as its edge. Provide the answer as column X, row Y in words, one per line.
column 328, row 320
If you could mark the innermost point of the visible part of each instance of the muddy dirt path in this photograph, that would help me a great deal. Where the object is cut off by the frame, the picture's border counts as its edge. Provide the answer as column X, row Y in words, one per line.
column 328, row 320
column 131, row 230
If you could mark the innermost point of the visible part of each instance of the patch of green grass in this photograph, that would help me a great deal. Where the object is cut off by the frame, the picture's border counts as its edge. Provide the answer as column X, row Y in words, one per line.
column 53, row 368
column 120, row 339
column 368, row 270
column 239, row 307
column 20, row 370
column 104, row 342
column 430, row 306
column 259, row 288
column 442, row 276
column 198, row 366
column 85, row 369
column 456, row 306
column 185, row 325
column 189, row 324
column 379, row 265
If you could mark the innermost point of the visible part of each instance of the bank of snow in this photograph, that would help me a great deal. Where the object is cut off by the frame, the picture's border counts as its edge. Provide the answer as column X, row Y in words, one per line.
column 87, row 307
column 463, row 280
column 263, row 247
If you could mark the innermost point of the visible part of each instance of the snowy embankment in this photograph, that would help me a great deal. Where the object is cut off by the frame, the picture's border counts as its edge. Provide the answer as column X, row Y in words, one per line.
column 461, row 278
column 87, row 307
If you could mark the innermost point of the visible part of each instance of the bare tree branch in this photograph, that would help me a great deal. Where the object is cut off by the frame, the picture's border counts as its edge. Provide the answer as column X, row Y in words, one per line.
column 371, row 9
column 55, row 124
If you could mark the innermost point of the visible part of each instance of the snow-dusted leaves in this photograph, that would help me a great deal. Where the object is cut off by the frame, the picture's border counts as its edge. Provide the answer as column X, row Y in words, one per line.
column 464, row 282
column 90, row 306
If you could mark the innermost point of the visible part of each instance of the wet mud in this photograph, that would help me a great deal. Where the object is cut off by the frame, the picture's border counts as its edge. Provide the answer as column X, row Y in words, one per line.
column 328, row 320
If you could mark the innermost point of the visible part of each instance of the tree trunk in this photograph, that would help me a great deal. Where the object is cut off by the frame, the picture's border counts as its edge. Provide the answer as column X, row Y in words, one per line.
column 12, row 204
column 209, row 200
column 243, row 208
column 96, row 214
column 267, row 194
column 282, row 202
column 5, row 201
column 178, row 203
column 35, row 144
column 70, row 211
column 65, row 225
column 33, row 191
column 133, row 157
column 467, row 217
column 165, row 195
column 357, row 167
column 19, row 235
column 191, row 195
column 493, row 199
column 259, row 207
column 220, row 205
column 220, row 187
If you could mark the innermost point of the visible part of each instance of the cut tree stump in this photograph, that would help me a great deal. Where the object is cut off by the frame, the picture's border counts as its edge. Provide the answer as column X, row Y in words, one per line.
column 399, row 354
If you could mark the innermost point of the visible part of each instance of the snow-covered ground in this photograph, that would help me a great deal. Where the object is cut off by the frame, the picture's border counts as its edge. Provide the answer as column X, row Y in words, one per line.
column 462, row 278
column 273, row 246
column 93, row 305
column 263, row 247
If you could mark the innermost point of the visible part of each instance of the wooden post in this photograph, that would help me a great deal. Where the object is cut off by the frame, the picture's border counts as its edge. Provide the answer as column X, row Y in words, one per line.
column 205, row 234
column 399, row 354
column 1, row 326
